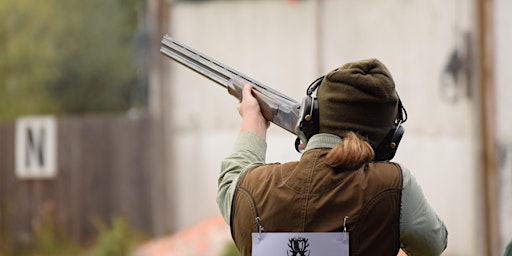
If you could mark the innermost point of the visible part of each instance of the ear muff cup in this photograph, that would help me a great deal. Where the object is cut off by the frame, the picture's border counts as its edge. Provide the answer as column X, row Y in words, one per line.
column 308, row 122
column 389, row 145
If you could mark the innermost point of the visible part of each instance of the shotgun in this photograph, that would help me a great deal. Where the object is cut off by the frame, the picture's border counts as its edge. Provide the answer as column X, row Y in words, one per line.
column 275, row 106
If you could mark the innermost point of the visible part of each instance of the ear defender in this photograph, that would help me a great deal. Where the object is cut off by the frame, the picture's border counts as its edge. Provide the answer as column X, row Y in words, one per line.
column 307, row 124
column 389, row 145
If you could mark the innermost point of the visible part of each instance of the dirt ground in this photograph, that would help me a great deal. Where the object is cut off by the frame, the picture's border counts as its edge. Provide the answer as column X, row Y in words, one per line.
column 208, row 238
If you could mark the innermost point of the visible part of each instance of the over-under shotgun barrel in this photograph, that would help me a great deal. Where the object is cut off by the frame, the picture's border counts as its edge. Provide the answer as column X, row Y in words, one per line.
column 275, row 106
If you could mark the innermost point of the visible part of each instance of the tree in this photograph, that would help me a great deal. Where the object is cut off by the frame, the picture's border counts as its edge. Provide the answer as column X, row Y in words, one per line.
column 69, row 57
column 28, row 52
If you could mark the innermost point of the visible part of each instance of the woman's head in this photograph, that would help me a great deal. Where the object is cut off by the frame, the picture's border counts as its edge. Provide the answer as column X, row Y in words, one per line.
column 360, row 97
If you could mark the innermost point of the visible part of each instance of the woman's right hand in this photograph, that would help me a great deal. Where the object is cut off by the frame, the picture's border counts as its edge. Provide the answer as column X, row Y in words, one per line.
column 252, row 118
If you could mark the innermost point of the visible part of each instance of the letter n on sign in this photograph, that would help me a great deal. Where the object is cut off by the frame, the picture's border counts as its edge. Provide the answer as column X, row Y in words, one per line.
column 36, row 147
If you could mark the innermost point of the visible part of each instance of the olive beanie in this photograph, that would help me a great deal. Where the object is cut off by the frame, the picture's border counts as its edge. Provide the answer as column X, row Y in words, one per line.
column 360, row 97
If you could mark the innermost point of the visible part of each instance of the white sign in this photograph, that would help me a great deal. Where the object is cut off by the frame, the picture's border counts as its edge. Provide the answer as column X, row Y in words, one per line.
column 300, row 244
column 36, row 146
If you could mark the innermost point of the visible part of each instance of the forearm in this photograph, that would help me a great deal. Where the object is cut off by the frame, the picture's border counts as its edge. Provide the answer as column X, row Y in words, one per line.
column 256, row 124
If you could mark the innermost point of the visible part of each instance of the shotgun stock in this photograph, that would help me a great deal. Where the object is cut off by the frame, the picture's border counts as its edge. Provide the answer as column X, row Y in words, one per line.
column 275, row 106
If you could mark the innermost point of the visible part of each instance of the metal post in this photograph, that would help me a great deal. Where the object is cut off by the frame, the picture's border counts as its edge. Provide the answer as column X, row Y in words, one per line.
column 157, row 20
column 485, row 10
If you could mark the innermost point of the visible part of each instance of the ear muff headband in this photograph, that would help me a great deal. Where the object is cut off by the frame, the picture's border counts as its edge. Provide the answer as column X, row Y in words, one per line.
column 314, row 85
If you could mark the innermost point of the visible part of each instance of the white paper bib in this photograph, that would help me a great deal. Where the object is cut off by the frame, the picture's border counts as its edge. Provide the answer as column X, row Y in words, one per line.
column 300, row 244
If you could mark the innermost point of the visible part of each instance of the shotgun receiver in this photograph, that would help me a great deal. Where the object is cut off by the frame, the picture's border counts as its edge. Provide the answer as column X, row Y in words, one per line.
column 275, row 106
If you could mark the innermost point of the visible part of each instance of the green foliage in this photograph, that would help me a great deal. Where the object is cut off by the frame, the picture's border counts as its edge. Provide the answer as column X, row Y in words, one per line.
column 69, row 57
column 48, row 241
column 117, row 240
column 98, row 72
column 28, row 55
column 230, row 250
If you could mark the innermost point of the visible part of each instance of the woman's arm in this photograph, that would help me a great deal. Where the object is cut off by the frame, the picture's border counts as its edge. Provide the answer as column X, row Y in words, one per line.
column 422, row 232
column 252, row 119
column 248, row 152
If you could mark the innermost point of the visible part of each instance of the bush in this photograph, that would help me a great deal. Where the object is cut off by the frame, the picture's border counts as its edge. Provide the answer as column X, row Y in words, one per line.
column 231, row 250
column 117, row 240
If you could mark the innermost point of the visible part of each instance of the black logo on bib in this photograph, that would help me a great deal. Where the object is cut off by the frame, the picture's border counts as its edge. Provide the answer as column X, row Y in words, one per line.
column 298, row 246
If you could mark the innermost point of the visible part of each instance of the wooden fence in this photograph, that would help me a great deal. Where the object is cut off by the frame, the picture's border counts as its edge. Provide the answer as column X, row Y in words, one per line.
column 104, row 171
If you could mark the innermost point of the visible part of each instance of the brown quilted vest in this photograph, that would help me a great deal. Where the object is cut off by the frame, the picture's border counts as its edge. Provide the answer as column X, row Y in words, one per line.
column 309, row 196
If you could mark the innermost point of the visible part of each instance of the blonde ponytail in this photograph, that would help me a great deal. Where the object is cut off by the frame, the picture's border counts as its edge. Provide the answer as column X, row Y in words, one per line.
column 351, row 154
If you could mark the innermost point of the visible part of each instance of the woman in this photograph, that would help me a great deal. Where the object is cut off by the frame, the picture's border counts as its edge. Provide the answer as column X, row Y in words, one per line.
column 338, row 184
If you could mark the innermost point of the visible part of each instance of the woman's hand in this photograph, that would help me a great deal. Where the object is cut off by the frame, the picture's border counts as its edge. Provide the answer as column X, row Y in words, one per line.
column 252, row 119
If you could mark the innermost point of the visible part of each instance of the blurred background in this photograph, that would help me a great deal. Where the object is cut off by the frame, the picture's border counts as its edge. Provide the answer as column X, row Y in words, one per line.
column 107, row 147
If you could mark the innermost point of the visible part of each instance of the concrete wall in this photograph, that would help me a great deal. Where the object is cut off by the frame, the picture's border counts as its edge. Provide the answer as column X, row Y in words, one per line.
column 503, row 23
column 287, row 44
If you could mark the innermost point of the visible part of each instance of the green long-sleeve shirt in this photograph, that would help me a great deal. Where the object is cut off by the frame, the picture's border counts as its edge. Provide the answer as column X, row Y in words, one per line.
column 421, row 231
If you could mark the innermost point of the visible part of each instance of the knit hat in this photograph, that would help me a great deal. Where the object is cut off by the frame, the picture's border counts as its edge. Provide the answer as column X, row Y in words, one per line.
column 360, row 97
